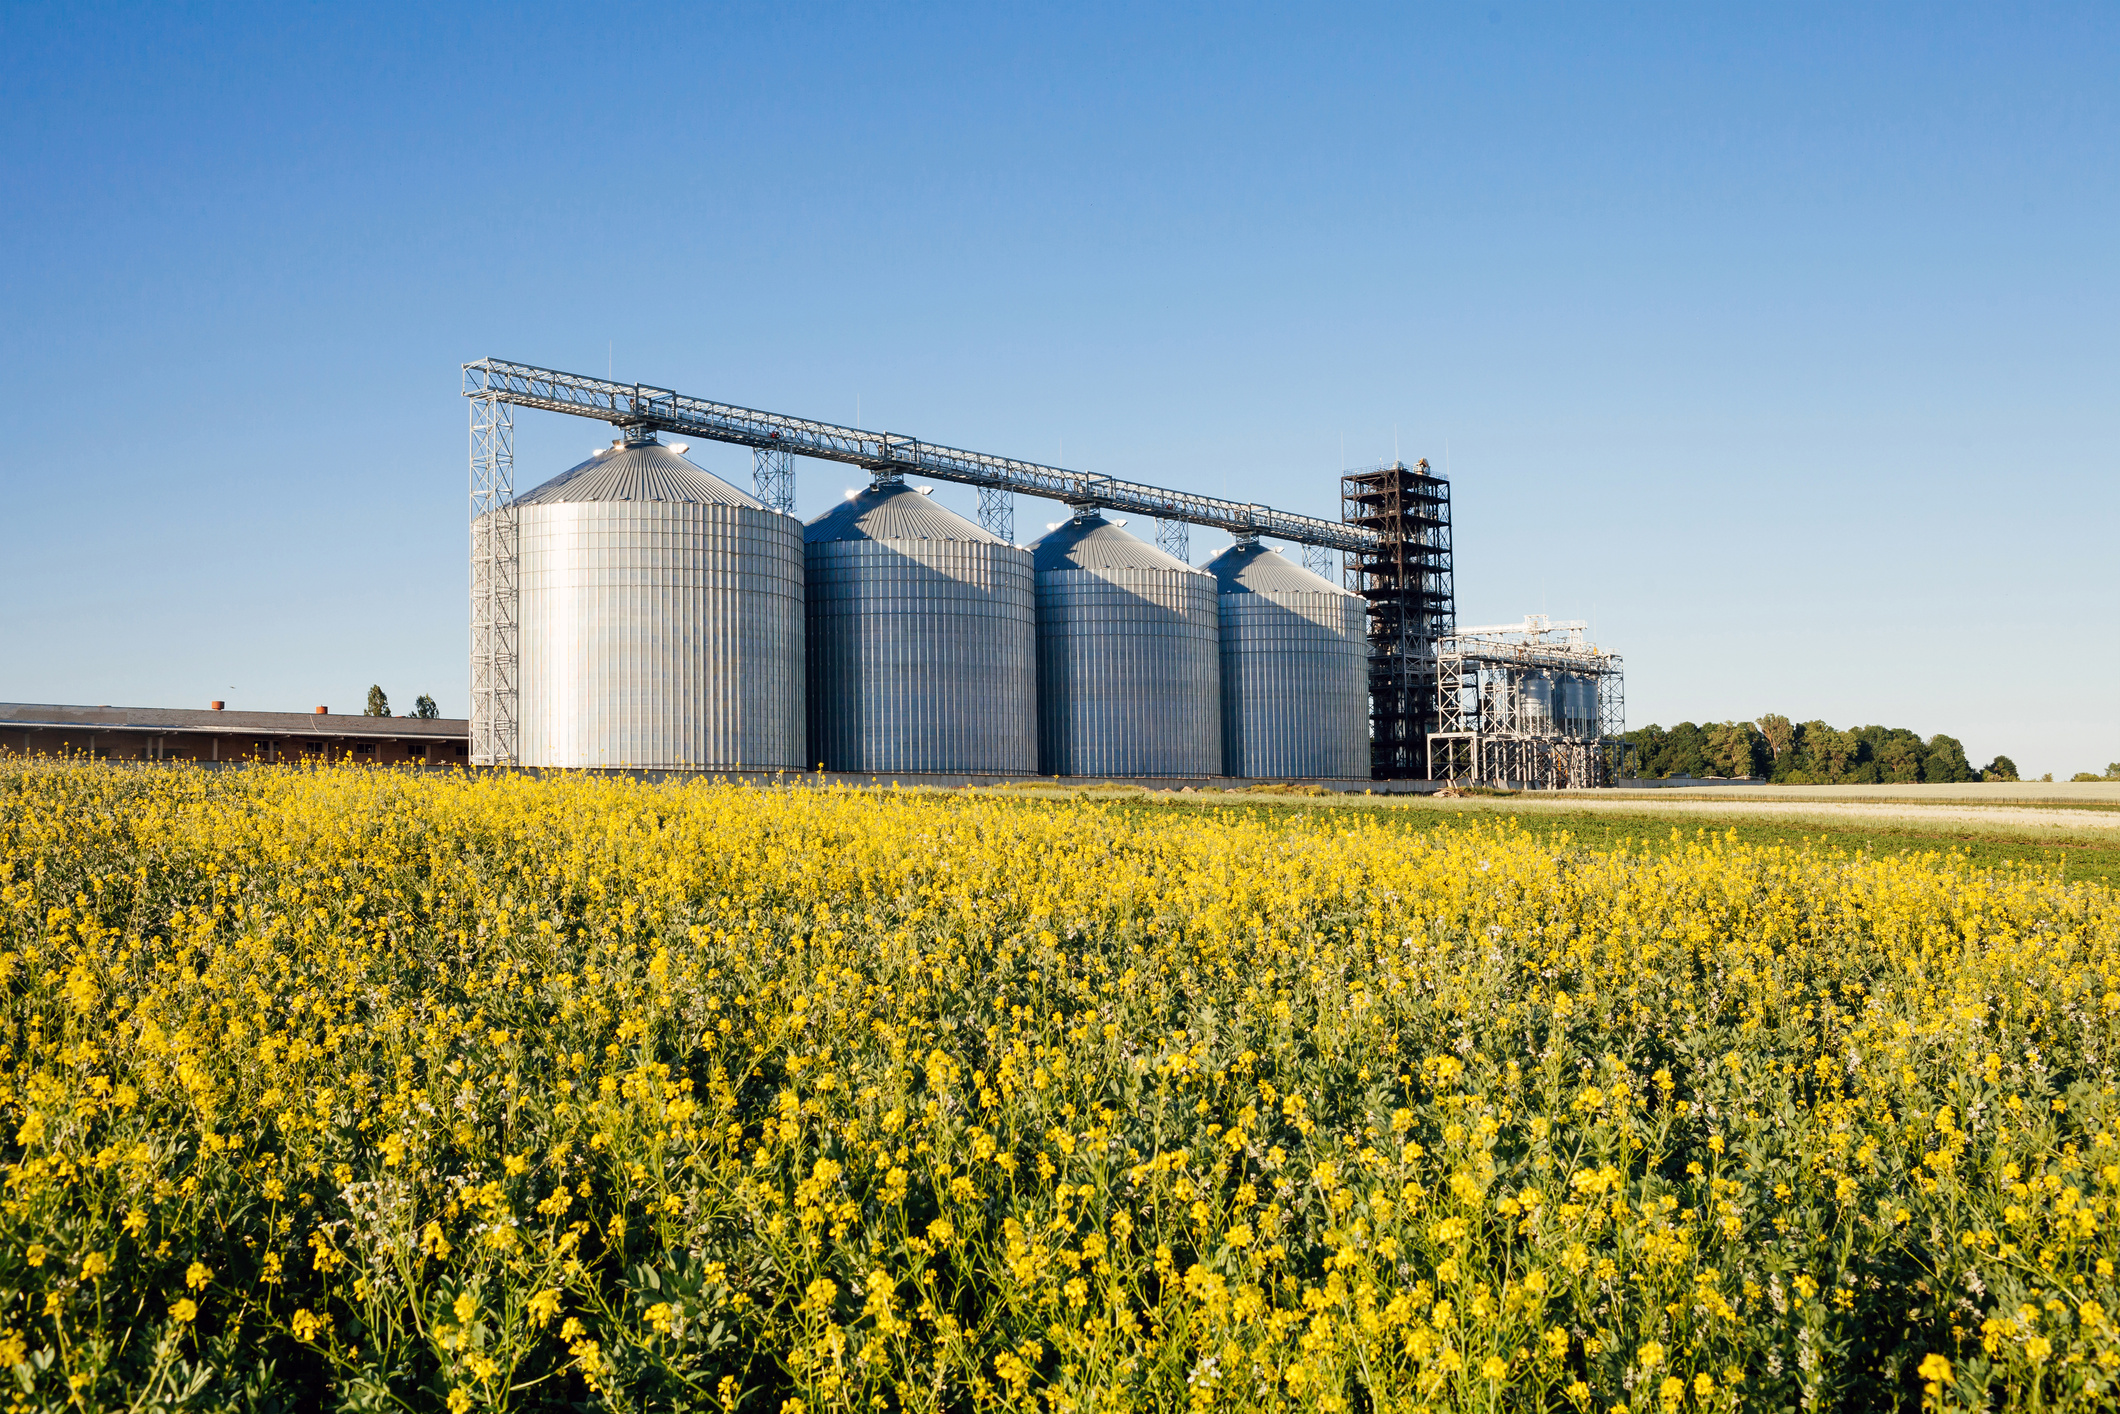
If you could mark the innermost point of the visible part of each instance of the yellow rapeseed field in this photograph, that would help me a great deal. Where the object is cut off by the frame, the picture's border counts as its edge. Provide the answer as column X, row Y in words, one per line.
column 341, row 1088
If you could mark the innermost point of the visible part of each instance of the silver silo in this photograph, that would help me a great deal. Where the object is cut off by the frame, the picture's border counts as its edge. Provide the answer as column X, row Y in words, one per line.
column 1295, row 668
column 1579, row 693
column 922, row 640
column 661, row 618
column 1129, row 677
column 1535, row 703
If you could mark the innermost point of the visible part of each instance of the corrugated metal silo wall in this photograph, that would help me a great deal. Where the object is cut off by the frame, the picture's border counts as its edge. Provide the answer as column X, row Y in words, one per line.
column 661, row 634
column 1295, row 684
column 922, row 657
column 1129, row 673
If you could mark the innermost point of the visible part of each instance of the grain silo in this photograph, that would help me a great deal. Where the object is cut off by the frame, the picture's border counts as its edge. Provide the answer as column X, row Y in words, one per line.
column 922, row 640
column 1534, row 703
column 1129, row 682
column 1576, row 700
column 661, row 618
column 1295, row 668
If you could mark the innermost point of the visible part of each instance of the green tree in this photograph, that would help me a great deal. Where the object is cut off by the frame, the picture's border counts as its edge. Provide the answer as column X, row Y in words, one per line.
column 1737, row 749
column 1900, row 758
column 1780, row 734
column 423, row 708
column 1947, row 761
column 2000, row 769
column 1829, row 753
column 378, row 703
column 1685, row 753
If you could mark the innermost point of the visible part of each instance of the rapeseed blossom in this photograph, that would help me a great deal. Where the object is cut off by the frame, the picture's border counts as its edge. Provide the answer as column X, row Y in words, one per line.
column 491, row 1092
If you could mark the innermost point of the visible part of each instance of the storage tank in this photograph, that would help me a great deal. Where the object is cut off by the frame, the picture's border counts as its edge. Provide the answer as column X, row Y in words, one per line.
column 1579, row 692
column 922, row 640
column 1129, row 679
column 661, row 618
column 1295, row 668
column 1535, row 703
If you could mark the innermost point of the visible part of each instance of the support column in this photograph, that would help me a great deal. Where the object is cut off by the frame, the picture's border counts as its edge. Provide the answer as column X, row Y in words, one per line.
column 997, row 513
column 1174, row 537
column 495, row 560
column 773, row 473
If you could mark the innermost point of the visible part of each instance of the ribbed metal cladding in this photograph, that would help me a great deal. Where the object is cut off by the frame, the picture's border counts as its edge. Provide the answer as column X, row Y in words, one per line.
column 922, row 634
column 661, row 613
column 1295, row 669
column 1129, row 680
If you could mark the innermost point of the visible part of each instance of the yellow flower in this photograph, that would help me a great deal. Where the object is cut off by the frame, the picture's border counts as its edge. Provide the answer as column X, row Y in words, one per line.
column 1935, row 1369
column 184, row 1309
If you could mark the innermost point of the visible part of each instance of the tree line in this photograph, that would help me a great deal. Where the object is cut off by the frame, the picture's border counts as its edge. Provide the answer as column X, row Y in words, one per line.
column 1806, row 753
column 379, row 705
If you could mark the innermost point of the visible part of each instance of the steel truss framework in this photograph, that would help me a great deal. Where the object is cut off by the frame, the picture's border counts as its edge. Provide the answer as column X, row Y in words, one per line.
column 997, row 513
column 1173, row 537
column 495, row 558
column 773, row 473
column 1405, row 573
column 884, row 453
column 1495, row 727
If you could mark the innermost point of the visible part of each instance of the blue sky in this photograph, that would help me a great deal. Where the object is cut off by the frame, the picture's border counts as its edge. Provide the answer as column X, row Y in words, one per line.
column 1777, row 340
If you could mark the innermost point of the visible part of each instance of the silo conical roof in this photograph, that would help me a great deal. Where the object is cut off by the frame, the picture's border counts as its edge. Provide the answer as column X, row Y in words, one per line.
column 648, row 471
column 893, row 511
column 1093, row 543
column 1254, row 569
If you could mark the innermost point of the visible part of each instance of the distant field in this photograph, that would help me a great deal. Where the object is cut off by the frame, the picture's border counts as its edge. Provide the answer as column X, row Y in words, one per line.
column 2062, row 795
column 2071, row 832
column 1962, row 790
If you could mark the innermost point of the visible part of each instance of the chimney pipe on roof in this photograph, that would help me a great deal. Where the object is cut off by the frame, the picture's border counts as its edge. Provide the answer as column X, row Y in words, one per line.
column 217, row 706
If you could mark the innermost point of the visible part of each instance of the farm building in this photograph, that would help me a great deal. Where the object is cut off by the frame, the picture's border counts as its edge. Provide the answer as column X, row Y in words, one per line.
column 180, row 734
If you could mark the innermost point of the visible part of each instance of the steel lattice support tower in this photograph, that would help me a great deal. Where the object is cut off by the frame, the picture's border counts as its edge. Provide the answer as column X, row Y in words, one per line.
column 1173, row 537
column 997, row 513
column 495, row 559
column 1407, row 577
column 1318, row 560
column 773, row 473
